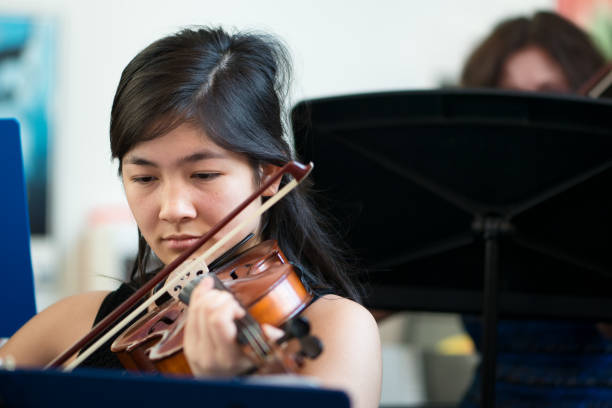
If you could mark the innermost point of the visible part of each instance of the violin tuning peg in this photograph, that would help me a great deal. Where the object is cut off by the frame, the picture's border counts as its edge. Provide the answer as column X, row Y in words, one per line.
column 297, row 327
column 312, row 347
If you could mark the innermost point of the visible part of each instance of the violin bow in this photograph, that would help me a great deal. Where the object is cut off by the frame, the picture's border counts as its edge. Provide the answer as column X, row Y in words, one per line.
column 297, row 170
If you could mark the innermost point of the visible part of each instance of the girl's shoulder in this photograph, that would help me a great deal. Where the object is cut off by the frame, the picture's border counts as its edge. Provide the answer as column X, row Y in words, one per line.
column 53, row 330
column 76, row 309
column 351, row 348
column 73, row 315
column 331, row 307
column 337, row 319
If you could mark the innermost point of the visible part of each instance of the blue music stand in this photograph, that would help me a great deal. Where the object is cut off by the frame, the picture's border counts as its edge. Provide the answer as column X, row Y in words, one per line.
column 17, row 300
column 94, row 388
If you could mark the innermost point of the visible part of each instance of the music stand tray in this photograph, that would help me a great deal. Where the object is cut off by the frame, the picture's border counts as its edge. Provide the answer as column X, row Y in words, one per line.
column 93, row 388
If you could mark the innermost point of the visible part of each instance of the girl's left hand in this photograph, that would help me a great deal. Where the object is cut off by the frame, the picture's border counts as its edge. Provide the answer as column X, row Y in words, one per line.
column 209, row 343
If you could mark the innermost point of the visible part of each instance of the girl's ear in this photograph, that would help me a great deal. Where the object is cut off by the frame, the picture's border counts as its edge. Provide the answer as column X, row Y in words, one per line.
column 268, row 170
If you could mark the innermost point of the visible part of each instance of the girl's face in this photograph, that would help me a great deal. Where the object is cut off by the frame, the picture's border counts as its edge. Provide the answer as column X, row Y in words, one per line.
column 181, row 184
column 533, row 69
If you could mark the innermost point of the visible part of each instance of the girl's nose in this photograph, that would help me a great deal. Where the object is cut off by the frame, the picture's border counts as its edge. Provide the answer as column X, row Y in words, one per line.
column 176, row 204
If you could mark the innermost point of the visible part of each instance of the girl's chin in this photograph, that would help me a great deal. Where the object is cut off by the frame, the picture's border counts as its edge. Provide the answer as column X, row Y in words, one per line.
column 169, row 251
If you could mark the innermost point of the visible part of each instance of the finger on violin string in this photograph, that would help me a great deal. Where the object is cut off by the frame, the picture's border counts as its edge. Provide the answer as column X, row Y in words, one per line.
column 273, row 333
column 221, row 321
column 205, row 284
column 210, row 340
column 210, row 330
column 215, row 311
column 208, row 302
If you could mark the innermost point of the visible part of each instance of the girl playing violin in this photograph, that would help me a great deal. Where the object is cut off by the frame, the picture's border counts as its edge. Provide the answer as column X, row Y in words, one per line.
column 197, row 125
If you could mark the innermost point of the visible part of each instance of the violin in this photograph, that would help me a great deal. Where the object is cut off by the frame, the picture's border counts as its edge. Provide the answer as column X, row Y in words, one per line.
column 264, row 283
column 182, row 265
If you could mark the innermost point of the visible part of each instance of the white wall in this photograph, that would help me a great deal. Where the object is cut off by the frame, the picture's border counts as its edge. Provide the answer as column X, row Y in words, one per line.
column 339, row 47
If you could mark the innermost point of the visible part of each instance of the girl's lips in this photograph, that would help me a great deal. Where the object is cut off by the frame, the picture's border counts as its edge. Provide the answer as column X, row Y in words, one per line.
column 180, row 243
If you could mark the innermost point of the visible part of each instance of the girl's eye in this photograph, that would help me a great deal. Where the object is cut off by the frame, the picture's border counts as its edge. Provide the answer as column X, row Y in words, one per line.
column 205, row 176
column 143, row 179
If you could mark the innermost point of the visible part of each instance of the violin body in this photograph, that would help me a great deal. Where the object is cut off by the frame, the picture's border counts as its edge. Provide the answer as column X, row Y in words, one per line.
column 133, row 346
column 263, row 282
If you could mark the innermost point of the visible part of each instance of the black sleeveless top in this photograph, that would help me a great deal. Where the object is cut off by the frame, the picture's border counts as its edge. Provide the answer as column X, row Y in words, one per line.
column 103, row 357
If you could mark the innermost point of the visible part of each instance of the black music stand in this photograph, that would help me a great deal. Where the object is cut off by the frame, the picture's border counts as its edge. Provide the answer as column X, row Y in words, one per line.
column 431, row 188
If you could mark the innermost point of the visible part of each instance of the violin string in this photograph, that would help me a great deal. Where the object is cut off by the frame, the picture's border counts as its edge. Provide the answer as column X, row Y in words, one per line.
column 252, row 342
column 257, row 333
column 181, row 271
column 247, row 326
column 256, row 341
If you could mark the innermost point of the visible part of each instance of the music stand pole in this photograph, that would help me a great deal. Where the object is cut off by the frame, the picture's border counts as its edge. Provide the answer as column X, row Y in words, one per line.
column 491, row 228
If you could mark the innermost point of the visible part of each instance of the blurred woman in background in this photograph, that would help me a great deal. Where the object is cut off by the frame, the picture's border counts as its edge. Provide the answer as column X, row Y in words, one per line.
column 540, row 363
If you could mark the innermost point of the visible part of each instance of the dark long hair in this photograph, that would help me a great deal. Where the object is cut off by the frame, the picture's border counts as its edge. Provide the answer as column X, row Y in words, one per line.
column 566, row 44
column 233, row 87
